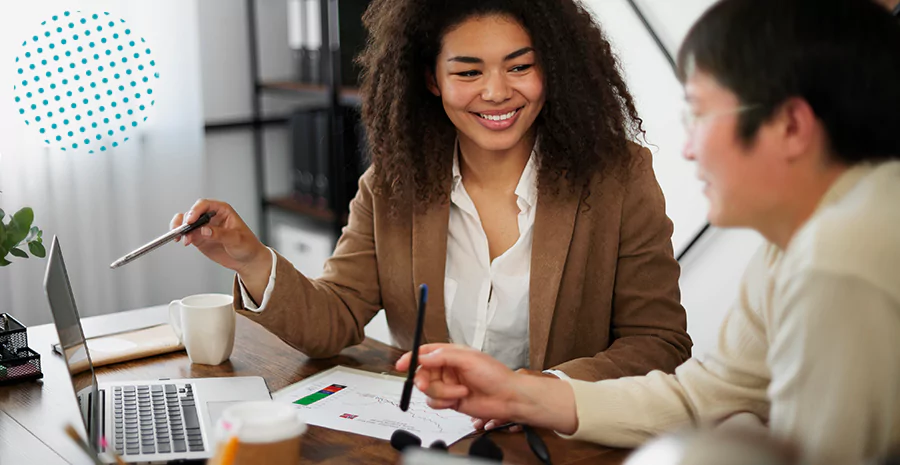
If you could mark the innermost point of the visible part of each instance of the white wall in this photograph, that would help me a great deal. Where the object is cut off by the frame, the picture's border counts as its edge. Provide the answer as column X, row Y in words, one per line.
column 658, row 97
column 712, row 269
column 710, row 275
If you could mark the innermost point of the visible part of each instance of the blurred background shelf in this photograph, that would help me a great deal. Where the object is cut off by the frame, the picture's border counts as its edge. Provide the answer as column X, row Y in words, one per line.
column 348, row 95
column 228, row 125
column 306, row 208
column 315, row 108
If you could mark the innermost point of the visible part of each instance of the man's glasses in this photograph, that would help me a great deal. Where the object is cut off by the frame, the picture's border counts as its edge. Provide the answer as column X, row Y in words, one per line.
column 690, row 120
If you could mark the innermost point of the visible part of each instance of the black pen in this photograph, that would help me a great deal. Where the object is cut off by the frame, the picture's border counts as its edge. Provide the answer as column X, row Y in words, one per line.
column 414, row 359
column 161, row 240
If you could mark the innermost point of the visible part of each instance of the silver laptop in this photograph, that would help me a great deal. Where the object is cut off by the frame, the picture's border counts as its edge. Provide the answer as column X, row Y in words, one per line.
column 142, row 421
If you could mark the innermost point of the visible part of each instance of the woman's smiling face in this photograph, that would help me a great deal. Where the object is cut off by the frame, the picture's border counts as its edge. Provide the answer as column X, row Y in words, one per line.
column 489, row 81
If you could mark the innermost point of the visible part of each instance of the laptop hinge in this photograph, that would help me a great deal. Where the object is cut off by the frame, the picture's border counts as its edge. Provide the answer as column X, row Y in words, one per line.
column 102, row 420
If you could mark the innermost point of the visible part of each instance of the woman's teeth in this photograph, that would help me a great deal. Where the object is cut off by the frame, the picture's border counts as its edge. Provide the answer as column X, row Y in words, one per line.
column 499, row 117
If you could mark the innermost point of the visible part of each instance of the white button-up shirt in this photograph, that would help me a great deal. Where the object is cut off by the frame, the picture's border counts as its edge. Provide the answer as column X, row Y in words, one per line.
column 487, row 301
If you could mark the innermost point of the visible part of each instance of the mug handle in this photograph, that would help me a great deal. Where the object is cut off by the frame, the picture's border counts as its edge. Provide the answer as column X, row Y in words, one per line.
column 175, row 319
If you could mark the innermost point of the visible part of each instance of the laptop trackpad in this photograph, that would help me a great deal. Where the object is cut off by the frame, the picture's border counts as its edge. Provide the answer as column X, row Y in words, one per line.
column 215, row 410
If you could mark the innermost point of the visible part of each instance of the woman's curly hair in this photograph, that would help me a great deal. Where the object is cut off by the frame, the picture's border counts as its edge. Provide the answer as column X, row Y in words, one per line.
column 584, row 128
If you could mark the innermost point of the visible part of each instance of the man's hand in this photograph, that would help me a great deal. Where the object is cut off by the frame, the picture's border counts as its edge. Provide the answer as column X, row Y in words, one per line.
column 471, row 382
column 490, row 424
column 463, row 379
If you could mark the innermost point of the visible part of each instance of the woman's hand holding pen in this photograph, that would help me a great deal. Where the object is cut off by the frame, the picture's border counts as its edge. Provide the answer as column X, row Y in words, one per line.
column 471, row 382
column 228, row 241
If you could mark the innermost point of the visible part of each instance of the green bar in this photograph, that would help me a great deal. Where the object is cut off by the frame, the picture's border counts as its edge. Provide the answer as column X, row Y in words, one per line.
column 312, row 398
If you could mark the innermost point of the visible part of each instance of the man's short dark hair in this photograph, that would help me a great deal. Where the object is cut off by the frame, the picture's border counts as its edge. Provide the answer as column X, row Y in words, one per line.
column 841, row 56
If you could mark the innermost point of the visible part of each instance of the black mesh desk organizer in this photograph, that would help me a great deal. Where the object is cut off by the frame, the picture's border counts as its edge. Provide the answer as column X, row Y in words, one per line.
column 17, row 361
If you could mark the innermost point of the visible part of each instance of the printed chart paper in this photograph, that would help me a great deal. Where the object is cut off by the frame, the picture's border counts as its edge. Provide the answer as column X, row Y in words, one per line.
column 366, row 403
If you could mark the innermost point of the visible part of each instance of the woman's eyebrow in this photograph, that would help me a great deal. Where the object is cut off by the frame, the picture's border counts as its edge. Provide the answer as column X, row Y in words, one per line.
column 518, row 53
column 476, row 60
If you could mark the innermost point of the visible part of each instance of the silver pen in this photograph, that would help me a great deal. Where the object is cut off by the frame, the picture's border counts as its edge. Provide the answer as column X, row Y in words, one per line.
column 162, row 240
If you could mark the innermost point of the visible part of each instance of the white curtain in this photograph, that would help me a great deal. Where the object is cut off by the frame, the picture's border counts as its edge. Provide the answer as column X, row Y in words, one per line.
column 105, row 204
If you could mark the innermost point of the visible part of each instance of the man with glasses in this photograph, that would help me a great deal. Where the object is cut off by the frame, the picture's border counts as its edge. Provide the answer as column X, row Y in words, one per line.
column 794, row 122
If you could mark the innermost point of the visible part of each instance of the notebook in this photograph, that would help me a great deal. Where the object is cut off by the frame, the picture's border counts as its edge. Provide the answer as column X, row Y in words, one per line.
column 131, row 345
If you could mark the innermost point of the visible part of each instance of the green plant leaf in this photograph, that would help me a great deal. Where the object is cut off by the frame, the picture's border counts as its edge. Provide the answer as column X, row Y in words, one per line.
column 18, row 227
column 24, row 217
column 18, row 232
column 37, row 249
column 32, row 234
column 12, row 233
column 17, row 252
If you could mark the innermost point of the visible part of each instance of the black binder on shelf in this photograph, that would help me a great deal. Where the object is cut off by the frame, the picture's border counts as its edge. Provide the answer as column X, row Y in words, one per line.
column 303, row 143
column 312, row 167
column 353, row 38
column 304, row 33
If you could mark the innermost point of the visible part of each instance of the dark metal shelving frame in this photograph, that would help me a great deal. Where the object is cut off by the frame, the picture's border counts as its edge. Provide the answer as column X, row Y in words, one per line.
column 336, row 214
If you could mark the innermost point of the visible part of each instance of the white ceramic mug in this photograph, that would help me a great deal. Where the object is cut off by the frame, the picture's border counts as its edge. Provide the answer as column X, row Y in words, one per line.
column 266, row 432
column 204, row 323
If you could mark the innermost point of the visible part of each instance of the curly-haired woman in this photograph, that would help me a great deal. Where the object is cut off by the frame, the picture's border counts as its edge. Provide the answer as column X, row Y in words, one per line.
column 503, row 177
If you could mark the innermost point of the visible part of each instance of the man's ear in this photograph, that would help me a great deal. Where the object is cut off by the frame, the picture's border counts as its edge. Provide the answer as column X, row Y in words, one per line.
column 800, row 128
column 431, row 83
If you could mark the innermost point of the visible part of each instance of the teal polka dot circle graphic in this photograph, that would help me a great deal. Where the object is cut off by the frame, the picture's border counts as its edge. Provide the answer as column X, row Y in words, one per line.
column 84, row 81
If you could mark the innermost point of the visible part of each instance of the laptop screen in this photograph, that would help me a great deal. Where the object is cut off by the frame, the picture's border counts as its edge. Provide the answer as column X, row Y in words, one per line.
column 72, row 342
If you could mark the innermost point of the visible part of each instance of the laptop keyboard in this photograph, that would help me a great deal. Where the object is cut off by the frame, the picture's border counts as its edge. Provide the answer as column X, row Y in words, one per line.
column 156, row 419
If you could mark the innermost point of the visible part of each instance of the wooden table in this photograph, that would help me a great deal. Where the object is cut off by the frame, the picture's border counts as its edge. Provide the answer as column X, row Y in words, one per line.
column 33, row 414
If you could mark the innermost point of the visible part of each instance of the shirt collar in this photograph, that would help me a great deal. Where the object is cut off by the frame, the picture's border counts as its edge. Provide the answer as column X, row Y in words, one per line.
column 839, row 189
column 526, row 189
column 845, row 183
